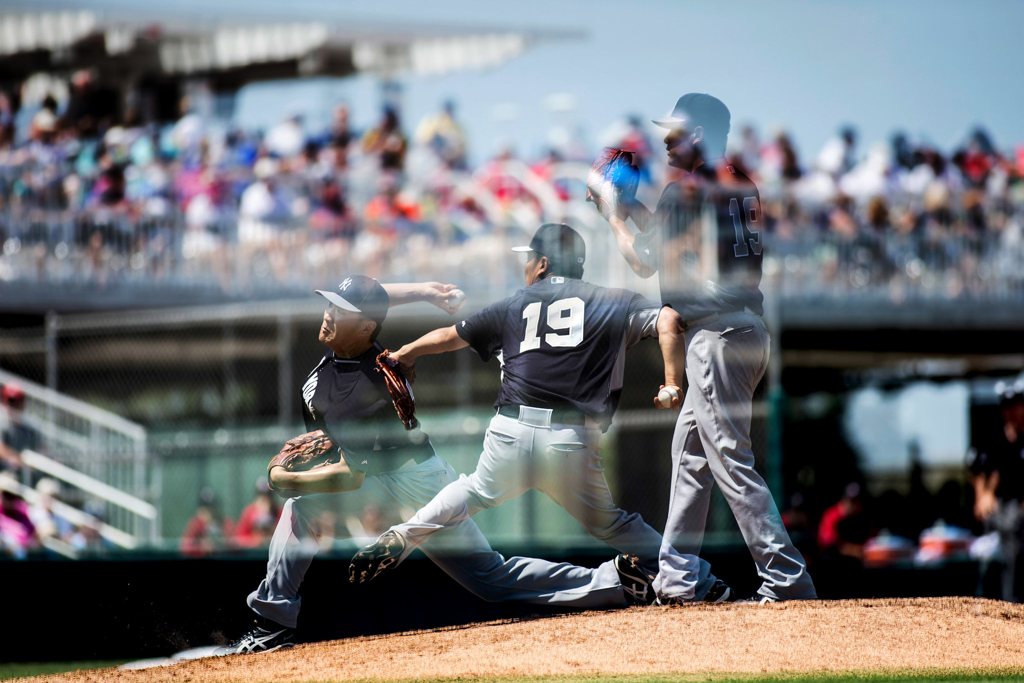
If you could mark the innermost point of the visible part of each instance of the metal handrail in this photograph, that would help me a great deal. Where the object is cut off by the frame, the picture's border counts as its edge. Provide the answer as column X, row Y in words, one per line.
column 71, row 514
column 90, row 485
column 81, row 409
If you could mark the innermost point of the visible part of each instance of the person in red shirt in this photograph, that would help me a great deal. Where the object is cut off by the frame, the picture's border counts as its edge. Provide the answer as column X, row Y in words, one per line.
column 256, row 524
column 207, row 530
column 838, row 530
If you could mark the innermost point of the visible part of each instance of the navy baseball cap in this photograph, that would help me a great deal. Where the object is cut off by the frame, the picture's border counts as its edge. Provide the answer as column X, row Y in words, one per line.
column 360, row 294
column 696, row 109
column 563, row 246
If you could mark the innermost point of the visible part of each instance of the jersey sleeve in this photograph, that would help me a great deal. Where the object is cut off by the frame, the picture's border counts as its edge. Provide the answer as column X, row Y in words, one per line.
column 483, row 331
column 645, row 244
column 642, row 321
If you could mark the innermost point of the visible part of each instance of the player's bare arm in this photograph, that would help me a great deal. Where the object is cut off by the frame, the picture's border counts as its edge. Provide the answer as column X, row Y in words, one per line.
column 332, row 478
column 985, row 501
column 441, row 340
column 446, row 296
column 672, row 340
column 624, row 239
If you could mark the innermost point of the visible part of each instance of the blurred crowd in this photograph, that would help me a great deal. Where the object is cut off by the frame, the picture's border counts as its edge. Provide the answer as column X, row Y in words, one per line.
column 976, row 515
column 88, row 194
column 210, row 531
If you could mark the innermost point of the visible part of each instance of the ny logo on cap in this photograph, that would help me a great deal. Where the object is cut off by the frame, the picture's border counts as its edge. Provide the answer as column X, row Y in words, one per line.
column 345, row 284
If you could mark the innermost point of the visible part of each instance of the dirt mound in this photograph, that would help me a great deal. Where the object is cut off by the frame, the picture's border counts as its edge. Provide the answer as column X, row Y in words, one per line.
column 821, row 636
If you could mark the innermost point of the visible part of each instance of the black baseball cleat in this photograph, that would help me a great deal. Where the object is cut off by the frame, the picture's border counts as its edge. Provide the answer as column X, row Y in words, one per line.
column 719, row 592
column 265, row 636
column 373, row 560
column 636, row 584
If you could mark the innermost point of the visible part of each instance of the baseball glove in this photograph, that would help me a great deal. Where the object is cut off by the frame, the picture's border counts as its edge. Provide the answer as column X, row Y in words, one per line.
column 613, row 180
column 399, row 389
column 304, row 452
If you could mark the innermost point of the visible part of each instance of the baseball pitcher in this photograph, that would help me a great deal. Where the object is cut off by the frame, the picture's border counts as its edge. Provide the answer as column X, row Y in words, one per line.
column 704, row 240
column 356, row 440
column 561, row 343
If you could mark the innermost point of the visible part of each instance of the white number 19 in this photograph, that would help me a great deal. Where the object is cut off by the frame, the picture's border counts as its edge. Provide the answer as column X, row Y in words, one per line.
column 564, row 314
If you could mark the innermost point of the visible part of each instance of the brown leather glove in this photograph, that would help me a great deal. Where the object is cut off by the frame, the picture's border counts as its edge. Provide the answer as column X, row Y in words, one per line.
column 399, row 389
column 304, row 452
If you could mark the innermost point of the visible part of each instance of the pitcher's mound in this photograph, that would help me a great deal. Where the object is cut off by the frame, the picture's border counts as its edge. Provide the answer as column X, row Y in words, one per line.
column 951, row 634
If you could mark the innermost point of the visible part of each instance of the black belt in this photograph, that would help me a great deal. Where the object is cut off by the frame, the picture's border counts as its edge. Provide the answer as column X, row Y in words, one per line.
column 703, row 320
column 565, row 416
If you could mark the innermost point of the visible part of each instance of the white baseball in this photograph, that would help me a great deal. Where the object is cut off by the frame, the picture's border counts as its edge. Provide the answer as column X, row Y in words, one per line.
column 456, row 297
column 666, row 396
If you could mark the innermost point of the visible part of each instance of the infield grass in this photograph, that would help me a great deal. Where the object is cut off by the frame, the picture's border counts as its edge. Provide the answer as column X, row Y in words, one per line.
column 20, row 669
column 933, row 676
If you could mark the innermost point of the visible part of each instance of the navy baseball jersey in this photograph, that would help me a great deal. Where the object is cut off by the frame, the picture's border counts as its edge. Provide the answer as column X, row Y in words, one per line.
column 561, row 343
column 706, row 244
column 347, row 398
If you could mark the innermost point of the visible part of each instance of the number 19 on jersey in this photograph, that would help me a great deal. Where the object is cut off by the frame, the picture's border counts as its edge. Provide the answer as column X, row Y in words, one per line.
column 564, row 318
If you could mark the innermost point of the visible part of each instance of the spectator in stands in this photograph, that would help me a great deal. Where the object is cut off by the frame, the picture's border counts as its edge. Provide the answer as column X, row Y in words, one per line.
column 287, row 138
column 207, row 530
column 256, row 524
column 6, row 121
column 207, row 219
column 341, row 134
column 838, row 156
column 332, row 227
column 843, row 529
column 49, row 524
column 90, row 108
column 43, row 127
column 780, row 160
column 17, row 436
column 977, row 158
column 388, row 217
column 545, row 168
column 189, row 132
column 387, row 142
column 17, row 533
column 262, row 217
column 444, row 136
column 749, row 151
column 902, row 151
column 87, row 537
column 997, row 474
column 495, row 176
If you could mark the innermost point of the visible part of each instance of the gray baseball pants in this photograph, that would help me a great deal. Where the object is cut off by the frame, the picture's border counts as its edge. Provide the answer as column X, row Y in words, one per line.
column 725, row 359
column 461, row 551
column 559, row 460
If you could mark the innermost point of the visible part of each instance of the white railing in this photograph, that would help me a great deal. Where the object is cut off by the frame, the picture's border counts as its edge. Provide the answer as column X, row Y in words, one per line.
column 99, row 454
column 78, row 517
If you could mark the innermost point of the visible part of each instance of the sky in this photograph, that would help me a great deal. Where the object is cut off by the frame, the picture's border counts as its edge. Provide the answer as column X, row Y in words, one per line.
column 932, row 68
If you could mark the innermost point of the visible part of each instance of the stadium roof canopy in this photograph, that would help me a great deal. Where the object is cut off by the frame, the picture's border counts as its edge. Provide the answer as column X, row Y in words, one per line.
column 231, row 47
